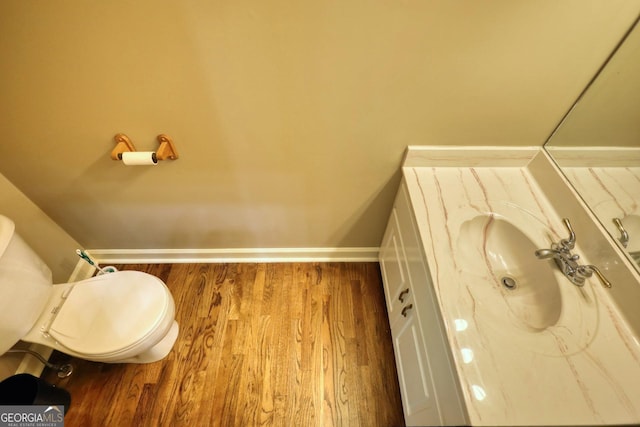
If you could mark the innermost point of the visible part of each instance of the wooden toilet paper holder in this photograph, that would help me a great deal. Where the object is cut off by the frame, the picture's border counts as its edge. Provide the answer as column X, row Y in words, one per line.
column 123, row 143
column 166, row 150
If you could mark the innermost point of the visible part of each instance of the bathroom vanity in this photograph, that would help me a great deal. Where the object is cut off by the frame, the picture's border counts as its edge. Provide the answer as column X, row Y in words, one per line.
column 412, row 308
column 486, row 333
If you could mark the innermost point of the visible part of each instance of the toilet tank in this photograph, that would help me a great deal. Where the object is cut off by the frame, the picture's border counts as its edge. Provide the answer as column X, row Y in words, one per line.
column 25, row 286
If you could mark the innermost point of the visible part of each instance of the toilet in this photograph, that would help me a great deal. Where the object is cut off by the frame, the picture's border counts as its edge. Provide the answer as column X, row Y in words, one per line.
column 120, row 317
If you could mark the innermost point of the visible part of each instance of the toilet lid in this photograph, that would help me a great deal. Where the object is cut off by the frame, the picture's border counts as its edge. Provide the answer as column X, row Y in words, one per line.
column 108, row 313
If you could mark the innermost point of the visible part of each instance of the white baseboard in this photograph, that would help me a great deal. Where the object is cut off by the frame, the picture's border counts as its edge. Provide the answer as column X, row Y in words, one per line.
column 165, row 256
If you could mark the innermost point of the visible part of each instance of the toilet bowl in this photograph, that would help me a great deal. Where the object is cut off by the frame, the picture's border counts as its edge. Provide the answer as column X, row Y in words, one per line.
column 120, row 317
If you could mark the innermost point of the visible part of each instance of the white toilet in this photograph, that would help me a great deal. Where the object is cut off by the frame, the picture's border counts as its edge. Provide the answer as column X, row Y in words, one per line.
column 121, row 317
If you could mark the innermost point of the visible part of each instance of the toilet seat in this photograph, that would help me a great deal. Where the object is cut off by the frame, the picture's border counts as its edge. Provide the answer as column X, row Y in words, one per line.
column 111, row 314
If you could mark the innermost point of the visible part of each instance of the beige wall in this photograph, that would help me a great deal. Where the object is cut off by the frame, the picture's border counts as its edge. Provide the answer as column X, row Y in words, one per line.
column 291, row 117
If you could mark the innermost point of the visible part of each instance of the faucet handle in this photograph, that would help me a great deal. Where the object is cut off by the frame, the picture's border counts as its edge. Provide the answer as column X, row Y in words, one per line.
column 569, row 243
column 624, row 236
column 586, row 270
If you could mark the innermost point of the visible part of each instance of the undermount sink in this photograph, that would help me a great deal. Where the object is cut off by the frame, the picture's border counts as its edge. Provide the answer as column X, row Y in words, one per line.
column 528, row 285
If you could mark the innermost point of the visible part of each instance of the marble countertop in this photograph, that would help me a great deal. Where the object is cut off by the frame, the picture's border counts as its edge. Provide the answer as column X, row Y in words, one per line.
column 542, row 354
column 611, row 192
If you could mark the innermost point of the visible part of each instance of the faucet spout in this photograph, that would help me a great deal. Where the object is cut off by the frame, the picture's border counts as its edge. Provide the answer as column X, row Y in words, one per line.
column 568, row 262
column 547, row 253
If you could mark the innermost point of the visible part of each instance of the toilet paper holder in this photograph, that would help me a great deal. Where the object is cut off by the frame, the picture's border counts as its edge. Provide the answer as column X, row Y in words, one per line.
column 166, row 150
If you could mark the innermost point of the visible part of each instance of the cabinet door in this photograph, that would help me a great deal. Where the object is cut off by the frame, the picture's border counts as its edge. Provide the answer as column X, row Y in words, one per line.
column 440, row 362
column 418, row 397
column 393, row 267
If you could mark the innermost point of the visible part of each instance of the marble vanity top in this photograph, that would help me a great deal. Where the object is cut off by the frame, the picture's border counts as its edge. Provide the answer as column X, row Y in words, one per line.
column 608, row 179
column 612, row 192
column 547, row 352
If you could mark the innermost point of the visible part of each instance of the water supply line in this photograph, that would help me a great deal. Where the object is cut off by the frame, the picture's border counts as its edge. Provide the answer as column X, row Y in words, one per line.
column 63, row 370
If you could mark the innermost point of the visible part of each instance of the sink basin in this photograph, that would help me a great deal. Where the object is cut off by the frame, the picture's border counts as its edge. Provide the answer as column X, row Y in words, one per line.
column 528, row 285
column 525, row 300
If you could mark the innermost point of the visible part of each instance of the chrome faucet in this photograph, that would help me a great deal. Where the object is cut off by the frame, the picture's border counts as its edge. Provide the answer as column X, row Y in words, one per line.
column 624, row 236
column 568, row 262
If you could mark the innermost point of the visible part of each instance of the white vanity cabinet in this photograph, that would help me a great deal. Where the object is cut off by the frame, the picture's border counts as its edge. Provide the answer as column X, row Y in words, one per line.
column 428, row 383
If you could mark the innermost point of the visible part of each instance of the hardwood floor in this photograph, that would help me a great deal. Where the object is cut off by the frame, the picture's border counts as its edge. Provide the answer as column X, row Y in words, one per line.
column 291, row 344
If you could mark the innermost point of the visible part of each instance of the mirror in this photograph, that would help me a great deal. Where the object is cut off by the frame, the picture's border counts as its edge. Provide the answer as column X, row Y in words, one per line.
column 597, row 145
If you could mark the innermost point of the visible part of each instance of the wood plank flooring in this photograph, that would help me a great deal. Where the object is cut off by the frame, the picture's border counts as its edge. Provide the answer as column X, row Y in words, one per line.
column 286, row 344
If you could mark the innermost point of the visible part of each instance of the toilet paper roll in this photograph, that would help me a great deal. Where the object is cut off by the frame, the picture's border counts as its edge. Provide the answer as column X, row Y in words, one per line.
column 139, row 158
